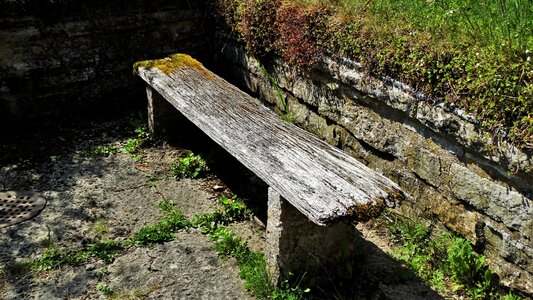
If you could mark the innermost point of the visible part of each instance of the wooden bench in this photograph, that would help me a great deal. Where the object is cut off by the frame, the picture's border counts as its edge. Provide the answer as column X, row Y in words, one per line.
column 315, row 190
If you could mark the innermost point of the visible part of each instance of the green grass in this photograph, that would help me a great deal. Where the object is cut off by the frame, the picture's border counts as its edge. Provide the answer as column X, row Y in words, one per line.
column 505, row 25
column 53, row 256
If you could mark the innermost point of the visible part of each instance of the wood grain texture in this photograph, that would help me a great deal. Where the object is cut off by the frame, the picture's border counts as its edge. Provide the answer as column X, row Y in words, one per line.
column 321, row 181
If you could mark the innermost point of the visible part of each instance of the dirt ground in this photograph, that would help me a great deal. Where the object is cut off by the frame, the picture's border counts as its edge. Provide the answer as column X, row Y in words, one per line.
column 92, row 197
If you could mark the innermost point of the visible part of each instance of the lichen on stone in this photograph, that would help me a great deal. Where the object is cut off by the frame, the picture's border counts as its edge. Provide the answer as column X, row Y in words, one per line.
column 170, row 63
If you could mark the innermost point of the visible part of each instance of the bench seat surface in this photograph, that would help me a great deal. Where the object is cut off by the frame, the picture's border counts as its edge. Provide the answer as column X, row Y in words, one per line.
column 321, row 181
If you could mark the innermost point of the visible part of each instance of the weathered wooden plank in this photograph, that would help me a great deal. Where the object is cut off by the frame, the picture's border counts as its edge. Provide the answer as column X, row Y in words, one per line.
column 321, row 181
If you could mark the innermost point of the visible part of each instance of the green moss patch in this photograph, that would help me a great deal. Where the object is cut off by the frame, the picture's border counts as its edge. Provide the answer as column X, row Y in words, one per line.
column 168, row 64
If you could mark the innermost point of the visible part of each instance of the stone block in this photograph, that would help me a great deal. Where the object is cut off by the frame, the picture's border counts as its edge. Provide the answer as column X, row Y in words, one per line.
column 163, row 118
column 500, row 203
column 297, row 245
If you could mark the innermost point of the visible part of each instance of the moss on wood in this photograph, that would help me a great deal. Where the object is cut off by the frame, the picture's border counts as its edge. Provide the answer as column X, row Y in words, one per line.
column 170, row 63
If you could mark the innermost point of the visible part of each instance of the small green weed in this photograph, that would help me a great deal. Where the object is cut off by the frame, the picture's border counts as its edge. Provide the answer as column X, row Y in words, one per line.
column 167, row 205
column 231, row 210
column 190, row 166
column 257, row 279
column 50, row 258
column 163, row 231
column 227, row 244
column 105, row 290
column 143, row 134
column 104, row 150
column 290, row 291
column 153, row 234
column 106, row 250
column 133, row 145
column 469, row 269
column 511, row 296
column 102, row 272
column 101, row 227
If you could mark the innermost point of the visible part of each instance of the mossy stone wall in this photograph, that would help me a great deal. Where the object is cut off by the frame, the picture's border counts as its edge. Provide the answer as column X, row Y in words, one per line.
column 481, row 192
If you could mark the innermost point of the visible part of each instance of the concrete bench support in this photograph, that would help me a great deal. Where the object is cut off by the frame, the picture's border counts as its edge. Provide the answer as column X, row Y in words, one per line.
column 163, row 118
column 297, row 245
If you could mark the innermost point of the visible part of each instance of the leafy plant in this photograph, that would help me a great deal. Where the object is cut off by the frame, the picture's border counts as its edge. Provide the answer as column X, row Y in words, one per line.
column 190, row 166
column 469, row 269
column 105, row 290
column 254, row 271
column 153, row 234
column 511, row 296
column 106, row 250
column 132, row 145
column 102, row 272
column 290, row 291
column 167, row 205
column 233, row 209
column 105, row 150
column 227, row 244
column 446, row 256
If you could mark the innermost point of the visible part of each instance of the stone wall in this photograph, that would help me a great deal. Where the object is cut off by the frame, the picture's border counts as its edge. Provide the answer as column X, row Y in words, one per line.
column 457, row 177
column 51, row 64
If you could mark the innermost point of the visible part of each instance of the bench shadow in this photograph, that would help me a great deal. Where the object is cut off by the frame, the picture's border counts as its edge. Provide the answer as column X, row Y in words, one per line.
column 373, row 274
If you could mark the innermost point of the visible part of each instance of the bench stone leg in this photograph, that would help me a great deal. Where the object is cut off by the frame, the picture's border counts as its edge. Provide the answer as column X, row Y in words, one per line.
column 297, row 245
column 163, row 118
